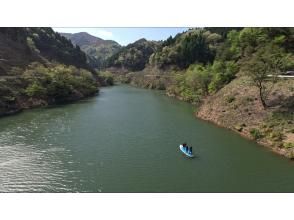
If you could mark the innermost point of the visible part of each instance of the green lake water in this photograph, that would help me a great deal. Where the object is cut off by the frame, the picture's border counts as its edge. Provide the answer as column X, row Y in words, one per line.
column 126, row 140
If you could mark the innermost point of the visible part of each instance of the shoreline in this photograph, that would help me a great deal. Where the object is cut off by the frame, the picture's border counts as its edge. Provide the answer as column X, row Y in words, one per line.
column 280, row 151
column 43, row 104
column 276, row 150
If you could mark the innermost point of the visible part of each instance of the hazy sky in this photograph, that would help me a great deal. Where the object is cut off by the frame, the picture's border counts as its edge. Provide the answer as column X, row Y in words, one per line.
column 125, row 36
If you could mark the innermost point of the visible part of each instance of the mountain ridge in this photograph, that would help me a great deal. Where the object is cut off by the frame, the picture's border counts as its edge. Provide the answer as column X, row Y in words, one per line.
column 96, row 48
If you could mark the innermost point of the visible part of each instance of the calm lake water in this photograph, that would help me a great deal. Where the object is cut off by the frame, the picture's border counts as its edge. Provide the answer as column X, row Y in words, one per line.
column 126, row 140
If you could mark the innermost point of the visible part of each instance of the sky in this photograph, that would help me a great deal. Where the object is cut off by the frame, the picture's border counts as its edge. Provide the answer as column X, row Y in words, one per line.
column 125, row 36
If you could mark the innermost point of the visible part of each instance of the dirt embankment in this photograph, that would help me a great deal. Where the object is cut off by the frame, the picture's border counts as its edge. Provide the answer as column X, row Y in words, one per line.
column 237, row 107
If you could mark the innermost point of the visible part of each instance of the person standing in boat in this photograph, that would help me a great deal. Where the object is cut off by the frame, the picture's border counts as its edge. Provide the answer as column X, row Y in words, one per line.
column 185, row 146
column 190, row 150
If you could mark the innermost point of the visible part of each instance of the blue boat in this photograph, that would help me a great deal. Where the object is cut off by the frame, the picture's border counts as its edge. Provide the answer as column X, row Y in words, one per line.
column 184, row 151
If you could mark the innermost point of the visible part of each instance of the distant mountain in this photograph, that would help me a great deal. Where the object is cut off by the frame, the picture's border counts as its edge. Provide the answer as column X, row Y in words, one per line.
column 97, row 49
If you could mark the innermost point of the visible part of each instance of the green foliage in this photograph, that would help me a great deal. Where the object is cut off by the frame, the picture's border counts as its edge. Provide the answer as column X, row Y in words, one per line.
column 255, row 133
column 282, row 36
column 229, row 49
column 234, row 45
column 193, row 48
column 58, row 82
column 252, row 37
column 198, row 77
column 276, row 125
column 276, row 136
column 185, row 49
column 288, row 145
column 230, row 99
column 213, row 38
column 223, row 73
column 107, row 78
column 281, row 116
column 134, row 56
column 267, row 60
column 198, row 81
column 191, row 84
column 200, row 46
column 168, row 41
column 35, row 90
column 223, row 31
column 279, row 40
column 6, row 93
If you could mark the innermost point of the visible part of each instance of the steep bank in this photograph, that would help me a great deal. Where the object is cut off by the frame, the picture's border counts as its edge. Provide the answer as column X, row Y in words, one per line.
column 237, row 107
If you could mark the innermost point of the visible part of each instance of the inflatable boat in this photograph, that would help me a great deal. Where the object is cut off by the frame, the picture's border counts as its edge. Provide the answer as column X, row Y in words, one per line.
column 185, row 152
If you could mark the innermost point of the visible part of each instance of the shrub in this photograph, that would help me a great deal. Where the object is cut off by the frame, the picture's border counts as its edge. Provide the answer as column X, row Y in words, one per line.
column 197, row 77
column 223, row 73
column 35, row 90
column 255, row 133
column 276, row 136
column 107, row 78
column 58, row 81
column 288, row 145
column 193, row 46
column 249, row 99
column 230, row 99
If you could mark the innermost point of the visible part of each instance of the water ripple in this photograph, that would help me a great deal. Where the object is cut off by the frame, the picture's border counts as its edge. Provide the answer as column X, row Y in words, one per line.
column 32, row 168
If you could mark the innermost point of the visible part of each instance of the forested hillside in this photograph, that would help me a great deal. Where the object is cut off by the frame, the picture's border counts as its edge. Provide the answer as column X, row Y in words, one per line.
column 40, row 67
column 134, row 56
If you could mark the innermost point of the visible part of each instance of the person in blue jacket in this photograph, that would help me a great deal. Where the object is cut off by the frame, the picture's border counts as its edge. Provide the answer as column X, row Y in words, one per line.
column 190, row 150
